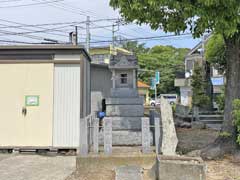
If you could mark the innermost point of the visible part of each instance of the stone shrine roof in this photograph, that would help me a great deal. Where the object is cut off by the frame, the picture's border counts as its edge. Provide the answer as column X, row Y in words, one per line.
column 123, row 61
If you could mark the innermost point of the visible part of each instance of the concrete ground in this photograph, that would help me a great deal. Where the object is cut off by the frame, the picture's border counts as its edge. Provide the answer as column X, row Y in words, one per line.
column 35, row 167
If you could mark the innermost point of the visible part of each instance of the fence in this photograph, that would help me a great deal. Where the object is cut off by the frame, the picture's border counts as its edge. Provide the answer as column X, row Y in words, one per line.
column 89, row 134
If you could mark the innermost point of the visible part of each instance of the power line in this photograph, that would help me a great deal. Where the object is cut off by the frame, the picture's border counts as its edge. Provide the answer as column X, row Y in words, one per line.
column 17, row 42
column 59, row 6
column 30, row 4
column 58, row 23
column 13, row 22
column 7, row 1
column 32, row 32
column 147, row 38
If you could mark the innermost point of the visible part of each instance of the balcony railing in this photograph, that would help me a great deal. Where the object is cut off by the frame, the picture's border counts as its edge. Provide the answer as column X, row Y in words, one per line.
column 179, row 82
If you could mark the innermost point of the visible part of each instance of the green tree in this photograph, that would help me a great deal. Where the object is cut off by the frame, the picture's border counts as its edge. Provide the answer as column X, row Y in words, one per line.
column 199, row 85
column 135, row 47
column 215, row 52
column 165, row 59
column 198, row 16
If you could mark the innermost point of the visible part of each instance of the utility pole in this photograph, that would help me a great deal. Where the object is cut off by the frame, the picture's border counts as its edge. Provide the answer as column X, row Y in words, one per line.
column 113, row 35
column 155, row 92
column 76, row 38
column 88, row 33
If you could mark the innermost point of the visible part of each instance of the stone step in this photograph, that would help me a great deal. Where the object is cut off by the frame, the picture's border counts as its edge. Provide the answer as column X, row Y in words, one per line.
column 125, row 110
column 211, row 116
column 214, row 126
column 128, row 173
column 122, row 101
column 125, row 138
column 212, row 121
column 126, row 123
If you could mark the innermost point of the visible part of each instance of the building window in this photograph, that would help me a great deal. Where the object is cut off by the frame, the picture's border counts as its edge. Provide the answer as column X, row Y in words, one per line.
column 123, row 78
column 99, row 58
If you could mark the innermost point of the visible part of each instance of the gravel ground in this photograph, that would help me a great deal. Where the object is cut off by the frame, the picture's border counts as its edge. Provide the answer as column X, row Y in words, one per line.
column 194, row 139
column 35, row 167
column 224, row 169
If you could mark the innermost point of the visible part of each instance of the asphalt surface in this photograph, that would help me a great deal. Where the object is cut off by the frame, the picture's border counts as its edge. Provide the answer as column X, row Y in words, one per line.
column 35, row 167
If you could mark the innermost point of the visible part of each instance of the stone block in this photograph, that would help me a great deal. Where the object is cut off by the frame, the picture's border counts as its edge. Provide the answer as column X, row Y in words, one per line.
column 145, row 135
column 180, row 168
column 83, row 144
column 128, row 173
column 126, row 123
column 125, row 138
column 124, row 92
column 125, row 110
column 107, row 136
column 122, row 101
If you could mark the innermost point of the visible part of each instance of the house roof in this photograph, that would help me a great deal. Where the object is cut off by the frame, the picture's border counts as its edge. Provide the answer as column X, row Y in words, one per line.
column 13, row 49
column 142, row 85
column 199, row 45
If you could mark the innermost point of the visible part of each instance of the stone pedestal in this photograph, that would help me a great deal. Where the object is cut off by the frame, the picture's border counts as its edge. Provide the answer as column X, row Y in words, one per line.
column 125, row 107
column 125, row 113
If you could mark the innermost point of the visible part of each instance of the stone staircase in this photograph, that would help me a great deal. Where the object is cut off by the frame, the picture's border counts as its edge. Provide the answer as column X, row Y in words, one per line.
column 213, row 120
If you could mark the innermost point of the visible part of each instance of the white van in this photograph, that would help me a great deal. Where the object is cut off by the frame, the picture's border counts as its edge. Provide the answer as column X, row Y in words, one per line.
column 172, row 98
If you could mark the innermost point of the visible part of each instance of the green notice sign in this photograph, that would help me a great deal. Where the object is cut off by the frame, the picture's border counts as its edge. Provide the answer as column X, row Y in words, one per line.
column 31, row 100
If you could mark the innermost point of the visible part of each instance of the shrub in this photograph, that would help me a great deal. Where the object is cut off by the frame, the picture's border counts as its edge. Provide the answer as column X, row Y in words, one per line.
column 220, row 100
column 236, row 117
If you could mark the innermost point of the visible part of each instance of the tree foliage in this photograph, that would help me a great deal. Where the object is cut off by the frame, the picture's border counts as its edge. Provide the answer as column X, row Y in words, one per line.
column 180, row 15
column 236, row 116
column 198, row 16
column 198, row 83
column 135, row 47
column 215, row 52
column 165, row 59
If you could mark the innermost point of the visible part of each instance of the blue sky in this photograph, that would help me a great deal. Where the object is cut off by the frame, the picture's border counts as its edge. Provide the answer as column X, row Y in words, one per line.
column 55, row 11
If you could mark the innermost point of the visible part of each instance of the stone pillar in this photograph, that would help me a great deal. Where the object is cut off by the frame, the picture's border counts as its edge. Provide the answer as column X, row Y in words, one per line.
column 107, row 136
column 145, row 135
column 134, row 79
column 83, row 140
column 114, row 78
column 95, row 135
column 169, row 136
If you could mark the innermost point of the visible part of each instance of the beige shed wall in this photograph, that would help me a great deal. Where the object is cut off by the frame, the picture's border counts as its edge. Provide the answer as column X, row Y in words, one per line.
column 18, row 80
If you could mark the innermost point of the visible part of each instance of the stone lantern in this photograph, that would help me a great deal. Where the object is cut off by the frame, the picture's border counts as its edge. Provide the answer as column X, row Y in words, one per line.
column 124, row 75
column 124, row 106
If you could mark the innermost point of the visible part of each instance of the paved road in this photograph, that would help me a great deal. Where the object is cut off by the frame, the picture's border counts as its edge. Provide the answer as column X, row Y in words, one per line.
column 35, row 167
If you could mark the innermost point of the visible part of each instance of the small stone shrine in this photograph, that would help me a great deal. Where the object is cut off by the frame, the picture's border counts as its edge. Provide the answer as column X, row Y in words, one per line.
column 125, row 106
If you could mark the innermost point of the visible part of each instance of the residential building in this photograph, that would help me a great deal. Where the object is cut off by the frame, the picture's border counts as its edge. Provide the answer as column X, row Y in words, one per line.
column 143, row 90
column 102, row 54
column 45, row 92
column 214, row 79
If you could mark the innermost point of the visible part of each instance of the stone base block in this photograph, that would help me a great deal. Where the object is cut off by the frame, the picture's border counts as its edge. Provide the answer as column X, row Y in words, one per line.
column 126, row 123
column 125, row 110
column 125, row 138
column 124, row 92
column 180, row 168
column 122, row 101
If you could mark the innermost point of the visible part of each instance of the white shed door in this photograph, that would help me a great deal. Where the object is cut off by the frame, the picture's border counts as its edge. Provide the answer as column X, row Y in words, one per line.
column 66, row 105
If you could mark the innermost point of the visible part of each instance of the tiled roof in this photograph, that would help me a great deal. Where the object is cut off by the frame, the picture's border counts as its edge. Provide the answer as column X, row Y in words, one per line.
column 142, row 85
